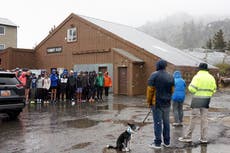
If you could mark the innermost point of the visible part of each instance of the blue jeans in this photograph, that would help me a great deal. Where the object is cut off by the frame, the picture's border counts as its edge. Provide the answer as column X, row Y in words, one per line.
column 178, row 112
column 161, row 116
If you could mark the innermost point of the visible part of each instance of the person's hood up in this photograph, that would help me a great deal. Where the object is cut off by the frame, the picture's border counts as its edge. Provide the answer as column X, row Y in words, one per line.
column 177, row 74
column 100, row 73
column 53, row 71
column 161, row 65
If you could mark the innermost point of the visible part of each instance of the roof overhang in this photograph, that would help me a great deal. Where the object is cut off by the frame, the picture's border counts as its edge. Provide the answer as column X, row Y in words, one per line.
column 128, row 55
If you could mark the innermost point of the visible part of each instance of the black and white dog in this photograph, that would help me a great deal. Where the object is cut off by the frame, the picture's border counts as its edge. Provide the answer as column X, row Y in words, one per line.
column 123, row 141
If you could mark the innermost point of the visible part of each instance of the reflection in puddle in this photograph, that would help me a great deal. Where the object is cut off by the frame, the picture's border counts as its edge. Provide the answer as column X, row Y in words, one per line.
column 81, row 123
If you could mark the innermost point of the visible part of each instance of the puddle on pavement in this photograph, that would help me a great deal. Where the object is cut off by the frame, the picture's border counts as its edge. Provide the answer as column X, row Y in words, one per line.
column 102, row 107
column 119, row 107
column 79, row 146
column 125, row 122
column 80, row 123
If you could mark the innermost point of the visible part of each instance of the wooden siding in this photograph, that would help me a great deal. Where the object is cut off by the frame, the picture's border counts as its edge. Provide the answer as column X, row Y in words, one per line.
column 13, row 58
column 5, row 60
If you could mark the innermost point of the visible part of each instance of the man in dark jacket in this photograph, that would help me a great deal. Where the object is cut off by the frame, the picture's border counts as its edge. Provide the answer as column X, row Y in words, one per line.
column 159, row 92
column 71, row 85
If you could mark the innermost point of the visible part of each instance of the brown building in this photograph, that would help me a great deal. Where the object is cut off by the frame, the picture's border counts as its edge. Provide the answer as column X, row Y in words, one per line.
column 8, row 34
column 129, row 55
column 12, row 58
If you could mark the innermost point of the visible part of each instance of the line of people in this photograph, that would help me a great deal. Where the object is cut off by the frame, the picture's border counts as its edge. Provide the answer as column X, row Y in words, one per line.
column 81, row 87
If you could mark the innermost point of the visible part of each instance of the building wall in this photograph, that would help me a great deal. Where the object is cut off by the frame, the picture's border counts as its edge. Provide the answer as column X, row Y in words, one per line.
column 10, row 37
column 22, row 59
column 12, row 58
column 4, row 58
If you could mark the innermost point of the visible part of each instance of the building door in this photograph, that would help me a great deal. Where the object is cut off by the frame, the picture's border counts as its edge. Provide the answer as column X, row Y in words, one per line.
column 122, row 81
column 102, row 69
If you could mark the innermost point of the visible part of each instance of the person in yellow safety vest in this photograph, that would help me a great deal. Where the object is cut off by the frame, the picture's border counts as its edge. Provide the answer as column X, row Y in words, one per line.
column 203, row 86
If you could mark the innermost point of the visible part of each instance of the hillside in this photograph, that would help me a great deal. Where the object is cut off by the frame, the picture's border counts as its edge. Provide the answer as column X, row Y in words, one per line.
column 184, row 31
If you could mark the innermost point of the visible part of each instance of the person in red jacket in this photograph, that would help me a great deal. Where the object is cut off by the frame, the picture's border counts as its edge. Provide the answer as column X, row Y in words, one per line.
column 107, row 83
column 22, row 78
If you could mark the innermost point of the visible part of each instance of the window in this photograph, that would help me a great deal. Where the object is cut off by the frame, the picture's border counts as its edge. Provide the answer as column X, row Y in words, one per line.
column 2, row 46
column 72, row 34
column 2, row 30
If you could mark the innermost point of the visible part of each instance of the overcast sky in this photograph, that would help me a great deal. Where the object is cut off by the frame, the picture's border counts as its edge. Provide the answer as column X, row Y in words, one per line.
column 36, row 17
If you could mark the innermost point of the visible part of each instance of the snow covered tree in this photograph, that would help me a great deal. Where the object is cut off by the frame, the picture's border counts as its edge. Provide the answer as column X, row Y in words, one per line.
column 218, row 41
column 209, row 44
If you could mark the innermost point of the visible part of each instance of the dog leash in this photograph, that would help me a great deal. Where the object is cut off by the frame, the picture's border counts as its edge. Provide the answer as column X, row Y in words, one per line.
column 147, row 115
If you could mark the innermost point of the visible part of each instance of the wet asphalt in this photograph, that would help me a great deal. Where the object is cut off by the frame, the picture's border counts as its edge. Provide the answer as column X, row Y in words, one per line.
column 88, row 127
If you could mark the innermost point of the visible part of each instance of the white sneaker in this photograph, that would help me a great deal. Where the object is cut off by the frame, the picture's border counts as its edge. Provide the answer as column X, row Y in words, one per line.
column 165, row 145
column 176, row 124
column 182, row 139
column 203, row 141
column 152, row 145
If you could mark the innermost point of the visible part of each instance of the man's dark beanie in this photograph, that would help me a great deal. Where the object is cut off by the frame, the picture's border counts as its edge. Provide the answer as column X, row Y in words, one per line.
column 203, row 66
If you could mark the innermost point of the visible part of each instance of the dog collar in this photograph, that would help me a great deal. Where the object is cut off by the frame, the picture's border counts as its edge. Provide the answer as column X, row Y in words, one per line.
column 129, row 130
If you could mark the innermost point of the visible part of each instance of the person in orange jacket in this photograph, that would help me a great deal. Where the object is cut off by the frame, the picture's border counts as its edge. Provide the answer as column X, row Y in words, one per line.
column 107, row 83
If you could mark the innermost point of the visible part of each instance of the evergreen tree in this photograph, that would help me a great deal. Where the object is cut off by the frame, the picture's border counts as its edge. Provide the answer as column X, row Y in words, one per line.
column 228, row 45
column 209, row 44
column 218, row 41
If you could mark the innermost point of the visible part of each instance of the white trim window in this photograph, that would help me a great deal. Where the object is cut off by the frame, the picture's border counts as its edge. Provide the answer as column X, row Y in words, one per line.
column 2, row 30
column 72, row 34
column 2, row 46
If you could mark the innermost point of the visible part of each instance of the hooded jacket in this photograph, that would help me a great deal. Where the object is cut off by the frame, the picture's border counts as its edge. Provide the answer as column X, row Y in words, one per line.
column 160, row 86
column 54, row 80
column 203, row 85
column 179, row 88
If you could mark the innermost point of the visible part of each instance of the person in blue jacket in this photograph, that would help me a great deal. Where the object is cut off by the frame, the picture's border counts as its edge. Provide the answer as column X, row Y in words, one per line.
column 178, row 98
column 54, row 85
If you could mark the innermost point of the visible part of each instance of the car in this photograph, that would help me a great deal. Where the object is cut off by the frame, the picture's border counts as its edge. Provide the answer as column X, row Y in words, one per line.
column 12, row 95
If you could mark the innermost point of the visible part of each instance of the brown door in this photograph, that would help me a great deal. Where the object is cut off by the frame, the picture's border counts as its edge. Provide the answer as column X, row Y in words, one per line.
column 102, row 69
column 122, row 80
